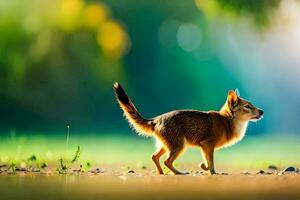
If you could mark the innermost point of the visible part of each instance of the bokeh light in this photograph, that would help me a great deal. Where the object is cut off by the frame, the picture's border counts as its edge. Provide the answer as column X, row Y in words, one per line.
column 69, row 12
column 167, row 33
column 94, row 15
column 113, row 39
column 189, row 37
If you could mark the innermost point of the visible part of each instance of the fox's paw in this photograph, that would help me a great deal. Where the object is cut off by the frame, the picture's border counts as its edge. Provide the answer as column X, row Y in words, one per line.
column 213, row 173
column 203, row 166
column 159, row 173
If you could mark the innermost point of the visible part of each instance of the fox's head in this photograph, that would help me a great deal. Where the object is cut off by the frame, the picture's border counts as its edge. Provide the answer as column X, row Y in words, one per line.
column 241, row 109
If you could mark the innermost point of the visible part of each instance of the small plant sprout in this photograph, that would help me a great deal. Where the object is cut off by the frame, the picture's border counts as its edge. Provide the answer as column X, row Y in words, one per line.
column 76, row 155
column 32, row 158
column 12, row 166
column 63, row 168
column 67, row 140
column 44, row 165
column 32, row 161
column 64, row 165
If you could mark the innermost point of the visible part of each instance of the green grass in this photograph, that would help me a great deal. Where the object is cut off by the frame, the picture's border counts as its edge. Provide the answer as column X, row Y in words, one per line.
column 129, row 149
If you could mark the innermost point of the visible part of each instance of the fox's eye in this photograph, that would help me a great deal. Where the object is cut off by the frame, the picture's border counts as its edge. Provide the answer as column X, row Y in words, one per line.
column 247, row 106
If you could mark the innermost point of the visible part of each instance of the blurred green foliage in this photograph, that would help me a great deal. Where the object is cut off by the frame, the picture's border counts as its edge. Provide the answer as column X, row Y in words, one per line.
column 260, row 10
column 58, row 59
column 54, row 56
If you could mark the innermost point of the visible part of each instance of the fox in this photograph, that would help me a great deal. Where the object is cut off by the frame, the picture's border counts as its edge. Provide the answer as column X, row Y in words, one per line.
column 176, row 130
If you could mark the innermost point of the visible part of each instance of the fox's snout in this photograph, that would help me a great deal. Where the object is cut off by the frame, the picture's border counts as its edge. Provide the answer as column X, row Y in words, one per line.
column 259, row 115
column 261, row 112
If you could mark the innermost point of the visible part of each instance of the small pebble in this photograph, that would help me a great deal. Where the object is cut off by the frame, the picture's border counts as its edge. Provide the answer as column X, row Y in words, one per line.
column 290, row 169
column 97, row 170
column 272, row 167
column 131, row 171
column 264, row 172
column 246, row 173
column 198, row 173
column 260, row 172
column 35, row 170
column 21, row 169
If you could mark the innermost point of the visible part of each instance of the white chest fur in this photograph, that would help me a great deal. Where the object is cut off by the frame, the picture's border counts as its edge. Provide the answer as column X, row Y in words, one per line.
column 239, row 130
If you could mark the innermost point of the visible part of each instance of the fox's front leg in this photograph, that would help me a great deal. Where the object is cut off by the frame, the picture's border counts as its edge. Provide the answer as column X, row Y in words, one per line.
column 208, row 156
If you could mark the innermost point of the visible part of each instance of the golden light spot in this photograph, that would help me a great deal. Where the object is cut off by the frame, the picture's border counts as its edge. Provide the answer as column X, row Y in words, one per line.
column 69, row 13
column 23, row 165
column 113, row 39
column 209, row 7
column 94, row 15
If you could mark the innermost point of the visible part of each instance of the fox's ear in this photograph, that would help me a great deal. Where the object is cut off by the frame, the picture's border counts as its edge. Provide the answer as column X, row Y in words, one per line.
column 237, row 92
column 232, row 98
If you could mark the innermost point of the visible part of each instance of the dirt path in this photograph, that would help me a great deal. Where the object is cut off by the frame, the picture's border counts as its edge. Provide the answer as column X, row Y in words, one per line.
column 112, row 185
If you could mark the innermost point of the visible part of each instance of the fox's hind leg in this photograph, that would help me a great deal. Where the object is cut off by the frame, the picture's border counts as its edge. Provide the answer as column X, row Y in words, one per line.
column 155, row 158
column 169, row 162
column 174, row 152
column 174, row 143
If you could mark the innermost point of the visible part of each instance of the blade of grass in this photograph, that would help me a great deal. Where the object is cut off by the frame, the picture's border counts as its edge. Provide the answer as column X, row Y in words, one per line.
column 67, row 140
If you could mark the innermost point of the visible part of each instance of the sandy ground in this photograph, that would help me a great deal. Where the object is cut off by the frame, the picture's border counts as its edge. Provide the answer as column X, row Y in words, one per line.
column 117, row 155
column 144, row 184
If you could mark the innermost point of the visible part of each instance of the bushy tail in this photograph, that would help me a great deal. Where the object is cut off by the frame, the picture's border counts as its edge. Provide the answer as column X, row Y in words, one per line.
column 141, row 125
